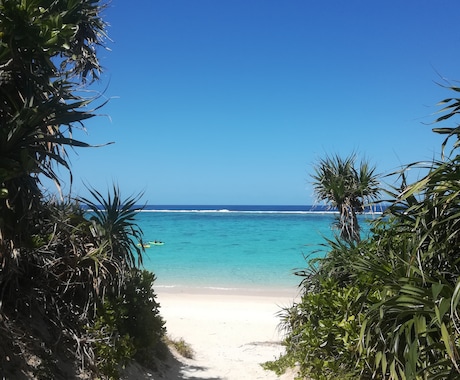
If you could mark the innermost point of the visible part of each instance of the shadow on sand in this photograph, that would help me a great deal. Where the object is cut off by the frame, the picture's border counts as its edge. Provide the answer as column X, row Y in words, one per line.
column 173, row 368
column 184, row 370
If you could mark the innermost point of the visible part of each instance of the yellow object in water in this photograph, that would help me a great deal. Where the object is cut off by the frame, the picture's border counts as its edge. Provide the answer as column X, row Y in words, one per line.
column 156, row 242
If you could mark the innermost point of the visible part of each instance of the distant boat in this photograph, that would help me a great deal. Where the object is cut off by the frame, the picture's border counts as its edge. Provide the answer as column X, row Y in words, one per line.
column 144, row 245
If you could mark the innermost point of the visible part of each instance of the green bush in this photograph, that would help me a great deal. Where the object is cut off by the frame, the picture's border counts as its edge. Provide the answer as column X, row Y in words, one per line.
column 128, row 325
column 112, row 350
column 324, row 330
column 139, row 315
column 400, row 287
column 409, row 330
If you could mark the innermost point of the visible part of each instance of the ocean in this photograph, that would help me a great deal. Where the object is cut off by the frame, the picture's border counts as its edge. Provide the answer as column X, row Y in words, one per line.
column 233, row 247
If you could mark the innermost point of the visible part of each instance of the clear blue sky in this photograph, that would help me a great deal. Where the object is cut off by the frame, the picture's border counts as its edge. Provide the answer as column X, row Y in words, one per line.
column 232, row 101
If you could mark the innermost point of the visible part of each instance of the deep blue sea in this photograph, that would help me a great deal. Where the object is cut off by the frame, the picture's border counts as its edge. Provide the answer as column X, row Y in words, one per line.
column 233, row 246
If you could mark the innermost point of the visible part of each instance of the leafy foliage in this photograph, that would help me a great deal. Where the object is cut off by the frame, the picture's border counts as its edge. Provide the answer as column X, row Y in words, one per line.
column 74, row 279
column 138, row 314
column 114, row 225
column 417, row 313
column 406, row 282
column 47, row 52
column 128, row 325
column 112, row 351
column 78, row 279
column 338, row 182
column 326, row 325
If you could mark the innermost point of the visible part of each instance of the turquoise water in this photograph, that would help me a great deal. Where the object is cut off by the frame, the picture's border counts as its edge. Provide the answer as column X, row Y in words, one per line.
column 221, row 249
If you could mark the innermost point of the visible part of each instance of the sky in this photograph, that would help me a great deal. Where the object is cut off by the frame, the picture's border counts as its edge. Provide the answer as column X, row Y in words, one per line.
column 233, row 101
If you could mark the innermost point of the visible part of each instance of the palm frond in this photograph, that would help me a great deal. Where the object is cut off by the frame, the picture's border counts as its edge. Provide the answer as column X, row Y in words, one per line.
column 115, row 222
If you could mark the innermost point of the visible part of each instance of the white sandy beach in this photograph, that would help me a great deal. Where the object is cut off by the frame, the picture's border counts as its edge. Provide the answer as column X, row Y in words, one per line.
column 231, row 332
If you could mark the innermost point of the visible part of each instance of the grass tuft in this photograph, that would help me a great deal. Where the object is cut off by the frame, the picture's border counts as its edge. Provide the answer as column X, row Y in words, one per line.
column 181, row 346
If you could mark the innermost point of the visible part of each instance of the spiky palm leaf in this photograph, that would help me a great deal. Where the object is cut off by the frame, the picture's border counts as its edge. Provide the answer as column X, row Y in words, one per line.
column 339, row 183
column 48, row 49
column 412, row 331
column 114, row 222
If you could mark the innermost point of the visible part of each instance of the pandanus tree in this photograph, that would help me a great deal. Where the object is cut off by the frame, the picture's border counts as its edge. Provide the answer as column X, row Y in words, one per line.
column 55, row 264
column 47, row 56
column 338, row 182
column 114, row 226
column 413, row 332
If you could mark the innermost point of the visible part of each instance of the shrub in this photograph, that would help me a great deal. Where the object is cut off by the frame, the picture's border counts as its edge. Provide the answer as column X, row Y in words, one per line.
column 112, row 350
column 324, row 330
column 142, row 320
column 128, row 325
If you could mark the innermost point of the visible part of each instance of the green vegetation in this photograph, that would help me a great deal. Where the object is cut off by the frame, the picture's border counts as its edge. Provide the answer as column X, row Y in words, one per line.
column 128, row 326
column 387, row 307
column 338, row 182
column 73, row 296
column 182, row 347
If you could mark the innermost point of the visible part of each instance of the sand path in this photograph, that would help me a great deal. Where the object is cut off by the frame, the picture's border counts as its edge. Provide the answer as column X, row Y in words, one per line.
column 231, row 334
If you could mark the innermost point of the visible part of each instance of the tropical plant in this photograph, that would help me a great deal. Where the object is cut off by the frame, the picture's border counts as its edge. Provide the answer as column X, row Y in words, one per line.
column 411, row 332
column 77, row 279
column 67, row 284
column 128, row 325
column 112, row 350
column 406, row 275
column 47, row 52
column 428, row 214
column 141, row 319
column 324, row 331
column 114, row 224
column 349, row 189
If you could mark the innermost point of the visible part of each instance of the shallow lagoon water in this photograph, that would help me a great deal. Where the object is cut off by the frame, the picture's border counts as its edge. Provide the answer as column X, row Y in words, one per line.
column 220, row 248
